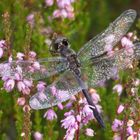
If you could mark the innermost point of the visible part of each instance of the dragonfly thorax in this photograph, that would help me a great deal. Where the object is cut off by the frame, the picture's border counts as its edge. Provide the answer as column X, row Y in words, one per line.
column 61, row 46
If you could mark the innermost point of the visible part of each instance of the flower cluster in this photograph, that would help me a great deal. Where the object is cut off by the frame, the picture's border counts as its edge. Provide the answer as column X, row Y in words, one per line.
column 14, row 74
column 76, row 119
column 65, row 8
column 2, row 47
column 128, row 127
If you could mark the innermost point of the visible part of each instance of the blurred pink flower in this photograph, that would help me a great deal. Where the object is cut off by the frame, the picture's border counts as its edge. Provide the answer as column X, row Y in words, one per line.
column 69, row 122
column 117, row 125
column 2, row 43
column 20, row 56
column 32, row 54
column 130, row 123
column 89, row 132
column 63, row 13
column 9, row 85
column 49, row 2
column 57, row 13
column 36, row 65
column 1, row 52
column 21, row 101
column 50, row 115
column 70, row 134
column 129, row 34
column 38, row 136
column 26, row 108
column 78, row 118
column 118, row 88
column 129, row 130
column 117, row 137
column 41, row 86
column 63, row 3
column 2, row 47
column 21, row 86
column 95, row 98
column 126, row 42
column 53, row 90
column 30, row 19
column 60, row 106
column 87, row 111
column 120, row 109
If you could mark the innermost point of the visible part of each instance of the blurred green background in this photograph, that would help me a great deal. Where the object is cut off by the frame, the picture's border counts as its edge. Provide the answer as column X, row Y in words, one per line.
column 91, row 17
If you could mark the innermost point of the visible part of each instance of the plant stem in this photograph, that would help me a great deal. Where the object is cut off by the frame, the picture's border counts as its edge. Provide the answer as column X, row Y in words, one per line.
column 26, row 125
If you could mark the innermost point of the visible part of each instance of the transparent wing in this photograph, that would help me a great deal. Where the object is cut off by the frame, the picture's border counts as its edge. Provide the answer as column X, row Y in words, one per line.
column 116, row 30
column 39, row 69
column 59, row 91
column 97, row 71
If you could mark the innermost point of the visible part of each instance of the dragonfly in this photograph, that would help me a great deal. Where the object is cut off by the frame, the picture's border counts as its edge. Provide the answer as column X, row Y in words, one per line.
column 89, row 67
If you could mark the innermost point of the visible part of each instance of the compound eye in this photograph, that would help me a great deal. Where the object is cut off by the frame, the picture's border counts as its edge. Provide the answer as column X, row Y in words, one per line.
column 65, row 42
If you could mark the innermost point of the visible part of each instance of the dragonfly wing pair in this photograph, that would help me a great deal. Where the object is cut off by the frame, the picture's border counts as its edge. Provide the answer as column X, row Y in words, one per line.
column 104, row 68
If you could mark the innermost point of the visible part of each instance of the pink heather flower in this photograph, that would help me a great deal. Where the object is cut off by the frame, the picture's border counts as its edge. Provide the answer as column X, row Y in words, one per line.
column 53, row 90
column 26, row 91
column 89, row 132
column 87, row 111
column 30, row 19
column 68, row 105
column 21, row 101
column 70, row 134
column 41, row 86
column 26, row 108
column 69, row 8
column 118, row 88
column 69, row 122
column 9, row 85
column 50, row 115
column 20, row 56
column 70, row 15
column 28, row 83
column 60, row 106
column 49, row 2
column 129, row 35
column 117, row 124
column 126, row 42
column 95, row 98
column 99, row 108
column 10, row 59
column 19, row 70
column 36, row 65
column 136, row 82
column 57, row 13
column 78, row 118
column 1, row 52
column 63, row 3
column 120, row 109
column 130, row 123
column 21, row 86
column 130, row 130
column 38, row 136
column 32, row 54
column 64, row 13
column 117, row 137
column 2, row 43
column 69, row 113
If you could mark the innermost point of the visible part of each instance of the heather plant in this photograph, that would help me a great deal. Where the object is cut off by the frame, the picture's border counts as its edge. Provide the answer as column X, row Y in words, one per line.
column 27, row 28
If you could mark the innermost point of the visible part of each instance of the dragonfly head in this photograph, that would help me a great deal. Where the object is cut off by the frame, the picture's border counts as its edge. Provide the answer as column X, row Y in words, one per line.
column 59, row 44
